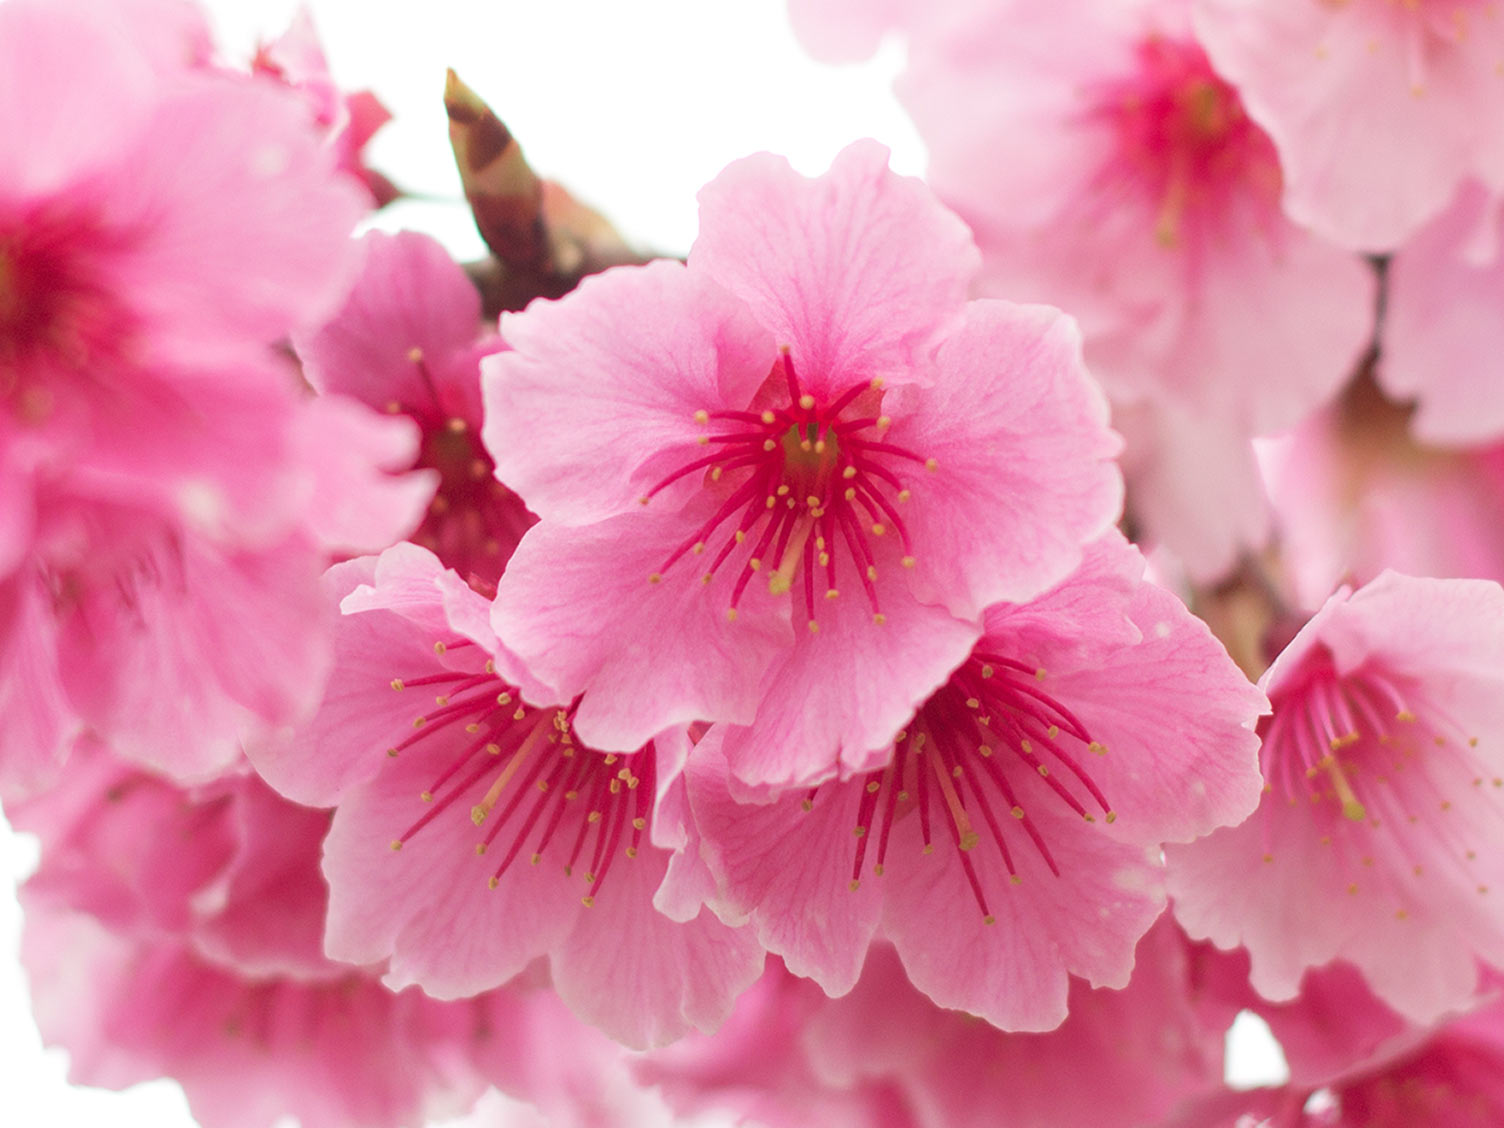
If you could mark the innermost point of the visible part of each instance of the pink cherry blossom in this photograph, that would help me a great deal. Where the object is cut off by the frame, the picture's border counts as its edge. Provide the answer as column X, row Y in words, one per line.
column 473, row 835
column 190, row 923
column 1108, row 169
column 1373, row 840
column 810, row 404
column 885, row 1054
column 1443, row 333
column 171, row 493
column 1022, row 806
column 1379, row 110
column 408, row 342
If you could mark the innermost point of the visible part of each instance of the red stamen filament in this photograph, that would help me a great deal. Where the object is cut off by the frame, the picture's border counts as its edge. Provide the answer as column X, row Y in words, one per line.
column 812, row 479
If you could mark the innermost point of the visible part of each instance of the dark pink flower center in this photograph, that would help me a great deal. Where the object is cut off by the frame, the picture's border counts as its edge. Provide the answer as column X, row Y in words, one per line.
column 806, row 488
column 474, row 522
column 1381, row 766
column 525, row 779
column 54, row 317
column 1184, row 140
column 961, row 760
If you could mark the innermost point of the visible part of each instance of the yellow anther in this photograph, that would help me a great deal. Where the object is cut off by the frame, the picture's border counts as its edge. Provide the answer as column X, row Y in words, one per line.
column 989, row 919
column 702, row 416
column 814, row 627
column 703, row 440
column 755, row 564
column 655, row 577
column 396, row 844
column 854, row 885
column 806, row 401
column 879, row 618
column 588, row 901
column 731, row 614
column 884, row 422
column 930, row 464
column 1018, row 812
column 806, row 804
column 391, row 752
column 871, row 571
column 397, row 683
column 984, row 750
column 439, row 648
column 904, row 495
column 503, row 698
column 859, row 831
column 878, row 528
column 768, row 444
column 831, row 593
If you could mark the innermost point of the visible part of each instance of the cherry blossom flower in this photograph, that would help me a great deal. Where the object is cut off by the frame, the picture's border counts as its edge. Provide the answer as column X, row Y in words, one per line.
column 149, row 551
column 1380, row 111
column 408, row 342
column 1372, row 843
column 1108, row 169
column 842, row 462
column 178, row 932
column 446, row 814
column 1023, row 805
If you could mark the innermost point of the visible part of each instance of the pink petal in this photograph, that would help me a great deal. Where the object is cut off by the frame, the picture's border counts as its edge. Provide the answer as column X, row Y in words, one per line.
column 218, row 148
column 1014, row 973
column 576, row 607
column 408, row 295
column 1023, row 476
column 831, row 703
column 596, row 401
column 644, row 979
column 73, row 100
column 856, row 271
column 789, row 871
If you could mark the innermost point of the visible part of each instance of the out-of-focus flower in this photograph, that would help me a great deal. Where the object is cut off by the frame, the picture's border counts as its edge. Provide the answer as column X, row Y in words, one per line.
column 1379, row 110
column 1107, row 168
column 1443, row 325
column 170, row 495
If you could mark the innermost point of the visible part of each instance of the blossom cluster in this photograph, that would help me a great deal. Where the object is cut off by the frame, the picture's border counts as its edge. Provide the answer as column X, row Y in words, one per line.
column 935, row 655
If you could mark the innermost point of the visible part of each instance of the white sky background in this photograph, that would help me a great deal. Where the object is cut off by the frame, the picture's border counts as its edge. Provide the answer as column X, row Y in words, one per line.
column 631, row 104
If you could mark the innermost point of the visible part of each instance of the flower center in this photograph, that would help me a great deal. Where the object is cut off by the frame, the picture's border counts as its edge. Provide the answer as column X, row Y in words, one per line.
column 1382, row 769
column 986, row 747
column 1184, row 138
column 53, row 319
column 807, row 489
column 525, row 779
column 474, row 521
